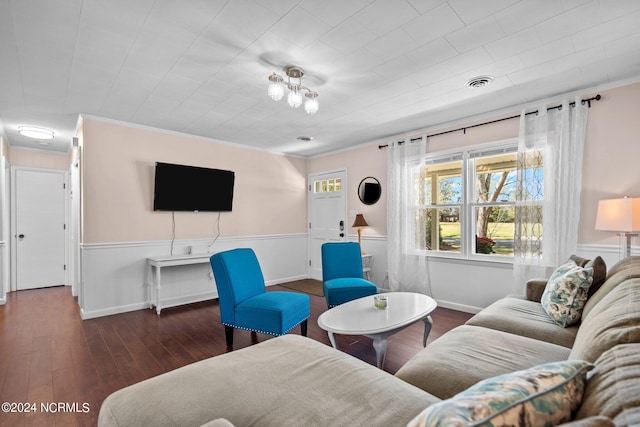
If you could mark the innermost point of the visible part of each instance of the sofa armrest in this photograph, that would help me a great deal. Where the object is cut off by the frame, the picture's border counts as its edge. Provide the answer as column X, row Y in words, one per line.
column 535, row 289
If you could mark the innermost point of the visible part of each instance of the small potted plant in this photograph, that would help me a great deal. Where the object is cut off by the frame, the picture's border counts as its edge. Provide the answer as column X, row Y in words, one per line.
column 484, row 245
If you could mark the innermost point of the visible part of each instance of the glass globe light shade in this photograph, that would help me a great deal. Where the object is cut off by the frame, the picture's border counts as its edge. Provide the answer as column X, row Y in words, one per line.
column 294, row 99
column 311, row 106
column 276, row 91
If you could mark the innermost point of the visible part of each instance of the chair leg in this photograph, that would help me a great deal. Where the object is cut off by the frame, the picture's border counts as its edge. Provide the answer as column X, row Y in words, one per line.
column 303, row 328
column 228, row 333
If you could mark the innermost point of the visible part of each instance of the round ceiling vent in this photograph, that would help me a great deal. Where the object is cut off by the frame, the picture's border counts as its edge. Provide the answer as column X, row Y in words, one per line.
column 305, row 138
column 478, row 82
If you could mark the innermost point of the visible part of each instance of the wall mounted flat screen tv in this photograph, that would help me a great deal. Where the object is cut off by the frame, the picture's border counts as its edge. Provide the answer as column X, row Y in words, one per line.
column 192, row 189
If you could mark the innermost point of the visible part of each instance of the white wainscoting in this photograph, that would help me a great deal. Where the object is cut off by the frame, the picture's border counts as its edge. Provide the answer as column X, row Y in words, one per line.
column 115, row 275
column 610, row 254
column 467, row 285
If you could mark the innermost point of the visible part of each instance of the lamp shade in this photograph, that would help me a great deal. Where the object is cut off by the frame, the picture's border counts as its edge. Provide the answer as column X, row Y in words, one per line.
column 360, row 221
column 621, row 215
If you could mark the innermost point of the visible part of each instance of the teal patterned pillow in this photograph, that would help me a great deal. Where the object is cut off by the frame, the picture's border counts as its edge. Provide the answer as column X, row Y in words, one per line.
column 566, row 293
column 541, row 396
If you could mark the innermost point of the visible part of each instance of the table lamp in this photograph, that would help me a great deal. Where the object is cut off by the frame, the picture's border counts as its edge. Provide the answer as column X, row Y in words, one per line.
column 621, row 215
column 360, row 222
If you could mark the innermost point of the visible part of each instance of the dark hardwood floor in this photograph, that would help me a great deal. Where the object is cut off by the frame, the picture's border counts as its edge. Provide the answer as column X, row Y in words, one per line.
column 51, row 358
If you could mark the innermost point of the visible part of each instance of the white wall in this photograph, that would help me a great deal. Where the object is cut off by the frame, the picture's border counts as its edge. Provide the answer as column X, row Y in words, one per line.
column 116, row 275
column 120, row 230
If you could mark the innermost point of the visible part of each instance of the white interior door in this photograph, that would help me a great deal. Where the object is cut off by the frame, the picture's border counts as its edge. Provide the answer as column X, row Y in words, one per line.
column 39, row 229
column 327, row 214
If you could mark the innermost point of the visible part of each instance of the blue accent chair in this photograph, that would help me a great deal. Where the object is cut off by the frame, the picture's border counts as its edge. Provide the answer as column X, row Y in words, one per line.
column 245, row 302
column 342, row 278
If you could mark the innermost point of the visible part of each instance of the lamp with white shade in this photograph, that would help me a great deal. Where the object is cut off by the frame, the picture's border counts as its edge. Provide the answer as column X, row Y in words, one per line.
column 620, row 215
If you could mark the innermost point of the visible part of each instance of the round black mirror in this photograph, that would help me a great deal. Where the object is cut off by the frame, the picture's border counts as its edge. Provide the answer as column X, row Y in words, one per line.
column 369, row 190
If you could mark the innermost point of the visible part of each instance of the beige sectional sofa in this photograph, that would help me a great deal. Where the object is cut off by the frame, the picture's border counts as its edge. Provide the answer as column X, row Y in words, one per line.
column 292, row 380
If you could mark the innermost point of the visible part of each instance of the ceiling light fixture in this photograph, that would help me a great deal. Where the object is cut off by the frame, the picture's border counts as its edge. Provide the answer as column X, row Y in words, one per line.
column 294, row 98
column 36, row 132
column 478, row 82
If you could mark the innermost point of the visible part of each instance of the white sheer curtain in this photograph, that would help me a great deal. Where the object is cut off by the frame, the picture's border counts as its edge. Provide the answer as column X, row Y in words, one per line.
column 553, row 139
column 407, row 267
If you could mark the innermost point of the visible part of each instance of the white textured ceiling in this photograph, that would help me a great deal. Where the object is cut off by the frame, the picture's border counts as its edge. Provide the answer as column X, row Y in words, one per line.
column 381, row 67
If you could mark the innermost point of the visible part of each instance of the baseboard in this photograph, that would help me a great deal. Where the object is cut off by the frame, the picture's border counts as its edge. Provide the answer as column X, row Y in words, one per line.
column 187, row 299
column 450, row 305
column 85, row 315
column 459, row 307
column 285, row 280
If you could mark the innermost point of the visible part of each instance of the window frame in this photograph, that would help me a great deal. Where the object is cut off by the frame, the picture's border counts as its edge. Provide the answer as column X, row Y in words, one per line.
column 467, row 206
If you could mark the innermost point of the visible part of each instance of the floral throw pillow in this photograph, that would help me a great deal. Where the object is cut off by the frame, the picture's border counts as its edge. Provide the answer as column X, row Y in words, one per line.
column 566, row 293
column 541, row 396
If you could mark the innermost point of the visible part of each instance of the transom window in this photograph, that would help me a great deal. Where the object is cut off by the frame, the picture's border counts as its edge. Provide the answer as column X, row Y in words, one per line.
column 327, row 185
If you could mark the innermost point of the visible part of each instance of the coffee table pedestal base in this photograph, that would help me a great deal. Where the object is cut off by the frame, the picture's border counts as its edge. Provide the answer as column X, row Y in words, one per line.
column 380, row 340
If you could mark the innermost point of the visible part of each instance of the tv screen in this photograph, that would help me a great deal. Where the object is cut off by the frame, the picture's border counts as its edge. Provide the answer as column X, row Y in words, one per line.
column 371, row 193
column 191, row 188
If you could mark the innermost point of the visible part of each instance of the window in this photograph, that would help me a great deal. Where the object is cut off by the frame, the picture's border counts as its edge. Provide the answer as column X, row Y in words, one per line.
column 441, row 196
column 466, row 201
column 327, row 185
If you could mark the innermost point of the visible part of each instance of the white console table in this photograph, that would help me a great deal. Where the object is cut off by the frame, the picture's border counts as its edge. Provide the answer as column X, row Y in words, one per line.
column 366, row 266
column 155, row 266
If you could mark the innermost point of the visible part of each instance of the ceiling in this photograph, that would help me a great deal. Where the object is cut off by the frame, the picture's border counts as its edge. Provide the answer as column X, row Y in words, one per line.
column 381, row 67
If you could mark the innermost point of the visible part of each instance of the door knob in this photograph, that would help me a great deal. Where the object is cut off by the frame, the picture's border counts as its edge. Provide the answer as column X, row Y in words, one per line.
column 21, row 236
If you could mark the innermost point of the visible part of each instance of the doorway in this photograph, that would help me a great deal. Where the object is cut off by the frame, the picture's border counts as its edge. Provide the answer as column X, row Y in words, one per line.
column 327, row 214
column 38, row 229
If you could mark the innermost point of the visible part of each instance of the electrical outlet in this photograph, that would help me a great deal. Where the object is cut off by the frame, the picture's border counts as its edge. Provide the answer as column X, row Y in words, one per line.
column 198, row 249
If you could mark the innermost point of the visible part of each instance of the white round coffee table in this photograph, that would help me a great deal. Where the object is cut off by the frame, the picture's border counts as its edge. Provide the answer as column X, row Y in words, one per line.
column 361, row 317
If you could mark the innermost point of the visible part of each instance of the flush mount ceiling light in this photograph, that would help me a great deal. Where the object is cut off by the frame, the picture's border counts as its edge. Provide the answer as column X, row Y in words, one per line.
column 478, row 82
column 36, row 132
column 294, row 98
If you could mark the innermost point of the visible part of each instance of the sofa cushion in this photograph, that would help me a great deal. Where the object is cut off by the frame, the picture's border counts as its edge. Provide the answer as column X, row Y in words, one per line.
column 623, row 264
column 613, row 387
column 544, row 395
column 614, row 320
column 535, row 287
column 596, row 421
column 526, row 318
column 628, row 268
column 566, row 293
column 468, row 354
column 285, row 381
column 599, row 270
column 599, row 274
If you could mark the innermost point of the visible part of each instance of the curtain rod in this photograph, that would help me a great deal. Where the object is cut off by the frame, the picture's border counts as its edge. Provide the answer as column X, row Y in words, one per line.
column 464, row 129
